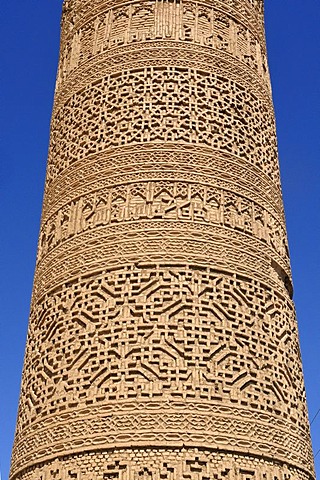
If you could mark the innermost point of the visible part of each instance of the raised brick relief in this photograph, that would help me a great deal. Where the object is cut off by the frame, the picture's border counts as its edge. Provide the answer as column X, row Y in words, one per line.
column 162, row 340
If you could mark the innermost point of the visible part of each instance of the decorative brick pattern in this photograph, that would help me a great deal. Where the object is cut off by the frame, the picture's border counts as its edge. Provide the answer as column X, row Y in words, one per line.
column 162, row 340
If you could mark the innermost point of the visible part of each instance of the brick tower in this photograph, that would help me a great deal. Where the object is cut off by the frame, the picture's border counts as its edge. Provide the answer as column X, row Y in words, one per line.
column 162, row 341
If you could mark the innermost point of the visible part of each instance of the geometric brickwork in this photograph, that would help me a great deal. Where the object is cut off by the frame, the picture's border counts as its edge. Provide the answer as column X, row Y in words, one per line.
column 162, row 340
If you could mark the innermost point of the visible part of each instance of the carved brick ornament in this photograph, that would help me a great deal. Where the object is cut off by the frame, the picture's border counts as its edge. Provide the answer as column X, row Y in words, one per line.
column 162, row 340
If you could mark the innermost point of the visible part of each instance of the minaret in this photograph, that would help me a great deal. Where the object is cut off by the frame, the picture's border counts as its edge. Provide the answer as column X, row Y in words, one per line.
column 162, row 340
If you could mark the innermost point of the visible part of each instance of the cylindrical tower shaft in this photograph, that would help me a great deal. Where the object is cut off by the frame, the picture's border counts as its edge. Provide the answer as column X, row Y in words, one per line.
column 162, row 339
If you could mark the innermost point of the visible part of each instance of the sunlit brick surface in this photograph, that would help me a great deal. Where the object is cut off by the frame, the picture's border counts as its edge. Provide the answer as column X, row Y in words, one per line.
column 162, row 340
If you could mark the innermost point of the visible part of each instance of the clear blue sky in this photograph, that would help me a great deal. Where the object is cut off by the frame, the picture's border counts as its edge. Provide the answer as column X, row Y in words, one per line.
column 29, row 53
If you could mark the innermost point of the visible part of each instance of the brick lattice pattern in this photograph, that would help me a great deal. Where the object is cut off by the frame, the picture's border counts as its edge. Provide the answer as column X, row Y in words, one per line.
column 162, row 340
